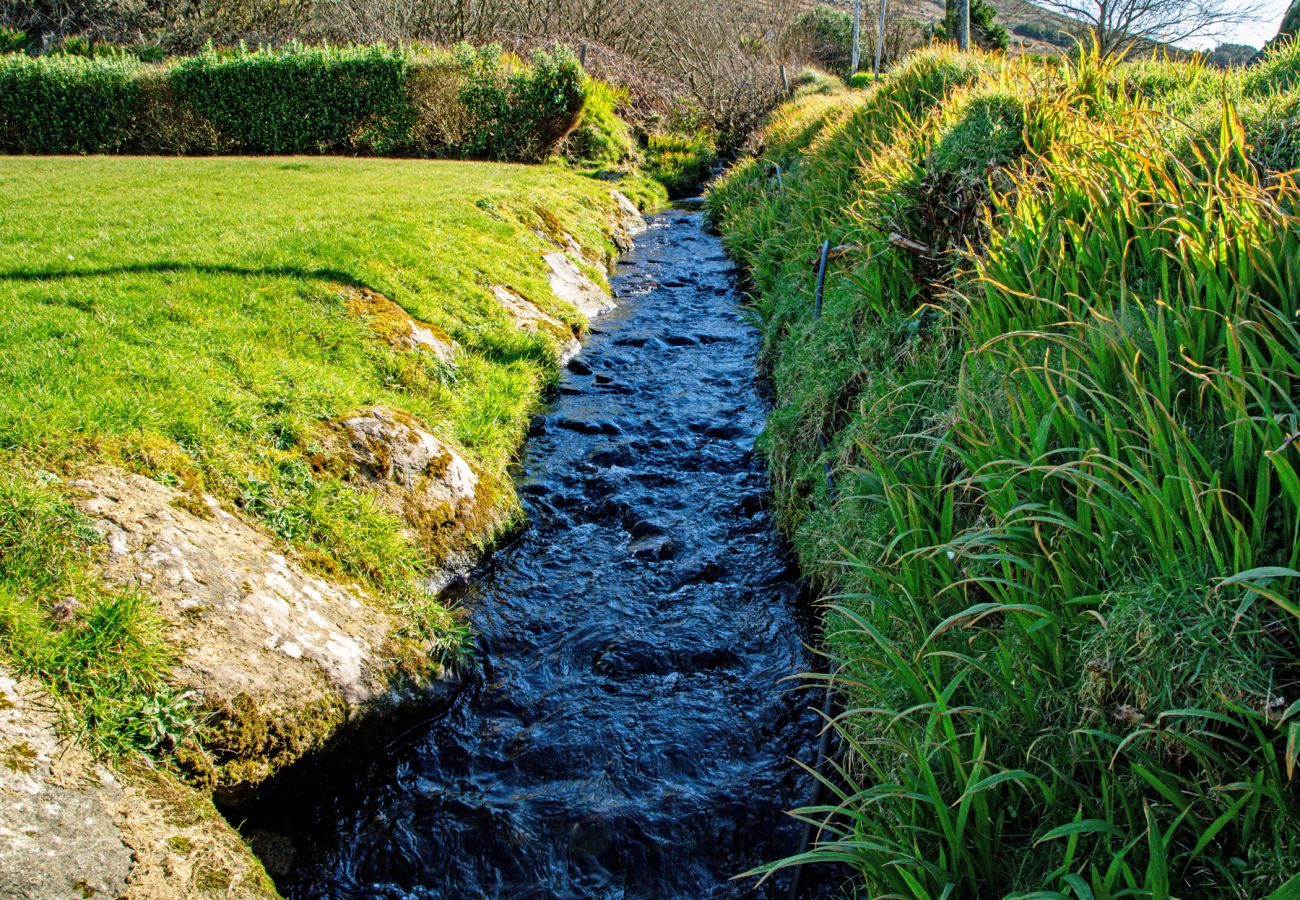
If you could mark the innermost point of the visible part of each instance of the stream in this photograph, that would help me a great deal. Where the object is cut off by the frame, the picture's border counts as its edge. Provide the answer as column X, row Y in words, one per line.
column 627, row 729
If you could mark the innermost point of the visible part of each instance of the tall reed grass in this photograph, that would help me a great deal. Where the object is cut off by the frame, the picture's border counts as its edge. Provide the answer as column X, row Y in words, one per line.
column 1056, row 374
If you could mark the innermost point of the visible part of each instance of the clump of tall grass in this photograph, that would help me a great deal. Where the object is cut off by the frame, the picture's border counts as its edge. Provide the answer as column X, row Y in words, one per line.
column 1062, row 557
column 681, row 162
column 96, row 652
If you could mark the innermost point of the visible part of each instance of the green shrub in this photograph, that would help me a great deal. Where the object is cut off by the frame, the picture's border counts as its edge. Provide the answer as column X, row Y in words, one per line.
column 602, row 136
column 164, row 123
column 303, row 99
column 860, row 80
column 441, row 120
column 76, row 45
column 366, row 100
column 66, row 104
column 521, row 114
column 12, row 40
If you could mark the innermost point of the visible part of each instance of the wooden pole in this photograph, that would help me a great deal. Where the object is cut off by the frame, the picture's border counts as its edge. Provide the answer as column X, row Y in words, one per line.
column 857, row 30
column 880, row 35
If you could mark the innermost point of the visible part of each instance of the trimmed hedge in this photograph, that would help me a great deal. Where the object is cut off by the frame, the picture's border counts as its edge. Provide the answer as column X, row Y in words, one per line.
column 473, row 103
column 309, row 100
column 66, row 104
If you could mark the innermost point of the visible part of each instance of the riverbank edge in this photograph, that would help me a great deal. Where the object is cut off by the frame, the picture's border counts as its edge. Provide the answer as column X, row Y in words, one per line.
column 155, row 834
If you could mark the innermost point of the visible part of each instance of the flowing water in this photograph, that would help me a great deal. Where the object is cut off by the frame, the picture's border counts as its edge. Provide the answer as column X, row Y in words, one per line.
column 627, row 731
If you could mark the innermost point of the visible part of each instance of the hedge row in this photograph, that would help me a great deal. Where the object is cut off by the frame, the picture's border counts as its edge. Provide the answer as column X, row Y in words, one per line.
column 470, row 102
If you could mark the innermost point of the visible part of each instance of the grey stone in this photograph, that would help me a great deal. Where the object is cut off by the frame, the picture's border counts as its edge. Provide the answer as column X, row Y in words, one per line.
column 56, row 840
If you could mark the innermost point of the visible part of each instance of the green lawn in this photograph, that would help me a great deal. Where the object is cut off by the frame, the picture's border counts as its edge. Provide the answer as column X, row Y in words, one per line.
column 196, row 304
column 189, row 319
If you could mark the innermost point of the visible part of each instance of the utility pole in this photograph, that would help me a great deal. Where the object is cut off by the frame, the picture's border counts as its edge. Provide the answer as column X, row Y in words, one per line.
column 963, row 24
column 857, row 19
column 880, row 35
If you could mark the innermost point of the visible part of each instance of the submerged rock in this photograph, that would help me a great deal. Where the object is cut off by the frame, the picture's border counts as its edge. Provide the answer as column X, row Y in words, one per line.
column 653, row 547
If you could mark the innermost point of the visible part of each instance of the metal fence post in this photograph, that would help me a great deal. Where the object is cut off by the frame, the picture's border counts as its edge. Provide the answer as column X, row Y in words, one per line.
column 821, row 276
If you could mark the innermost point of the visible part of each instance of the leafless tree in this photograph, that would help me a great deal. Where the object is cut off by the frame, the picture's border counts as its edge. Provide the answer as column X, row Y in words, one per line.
column 1119, row 24
column 721, row 57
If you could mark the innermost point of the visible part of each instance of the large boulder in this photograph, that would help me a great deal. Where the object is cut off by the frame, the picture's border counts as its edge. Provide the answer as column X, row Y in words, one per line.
column 528, row 316
column 628, row 222
column 449, row 509
column 72, row 828
column 570, row 284
column 57, row 835
column 275, row 653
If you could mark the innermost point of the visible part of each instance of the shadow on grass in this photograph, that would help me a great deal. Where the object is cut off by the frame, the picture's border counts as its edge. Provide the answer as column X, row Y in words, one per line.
column 331, row 275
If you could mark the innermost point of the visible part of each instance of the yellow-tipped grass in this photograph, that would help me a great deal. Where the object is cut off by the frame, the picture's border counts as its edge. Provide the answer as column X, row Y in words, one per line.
column 1063, row 554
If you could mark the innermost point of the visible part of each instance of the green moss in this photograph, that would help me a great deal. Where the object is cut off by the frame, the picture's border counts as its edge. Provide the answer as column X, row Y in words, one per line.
column 246, row 742
column 214, row 878
column 19, row 758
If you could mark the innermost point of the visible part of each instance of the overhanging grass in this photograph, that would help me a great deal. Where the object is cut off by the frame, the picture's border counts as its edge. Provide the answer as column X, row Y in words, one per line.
column 189, row 319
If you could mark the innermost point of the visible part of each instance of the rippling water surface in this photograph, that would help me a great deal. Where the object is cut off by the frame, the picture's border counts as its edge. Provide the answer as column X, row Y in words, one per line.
column 627, row 732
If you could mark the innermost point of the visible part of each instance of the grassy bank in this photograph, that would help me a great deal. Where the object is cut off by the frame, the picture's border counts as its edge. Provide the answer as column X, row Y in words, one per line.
column 1054, row 378
column 201, row 321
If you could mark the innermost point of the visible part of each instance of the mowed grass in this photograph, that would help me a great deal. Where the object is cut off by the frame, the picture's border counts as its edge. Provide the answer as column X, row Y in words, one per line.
column 189, row 319
column 198, row 302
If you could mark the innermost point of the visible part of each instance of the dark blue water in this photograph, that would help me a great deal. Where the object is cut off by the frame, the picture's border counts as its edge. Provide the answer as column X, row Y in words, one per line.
column 628, row 731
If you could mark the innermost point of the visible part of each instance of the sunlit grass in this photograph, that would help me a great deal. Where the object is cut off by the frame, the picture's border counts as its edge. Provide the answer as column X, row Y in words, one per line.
column 1062, row 550
column 189, row 319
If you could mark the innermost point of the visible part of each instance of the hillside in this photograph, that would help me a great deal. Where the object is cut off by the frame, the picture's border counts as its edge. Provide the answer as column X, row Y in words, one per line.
column 1291, row 22
column 1035, row 443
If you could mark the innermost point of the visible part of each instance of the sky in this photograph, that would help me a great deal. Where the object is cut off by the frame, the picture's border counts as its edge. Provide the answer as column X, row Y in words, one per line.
column 1256, row 33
